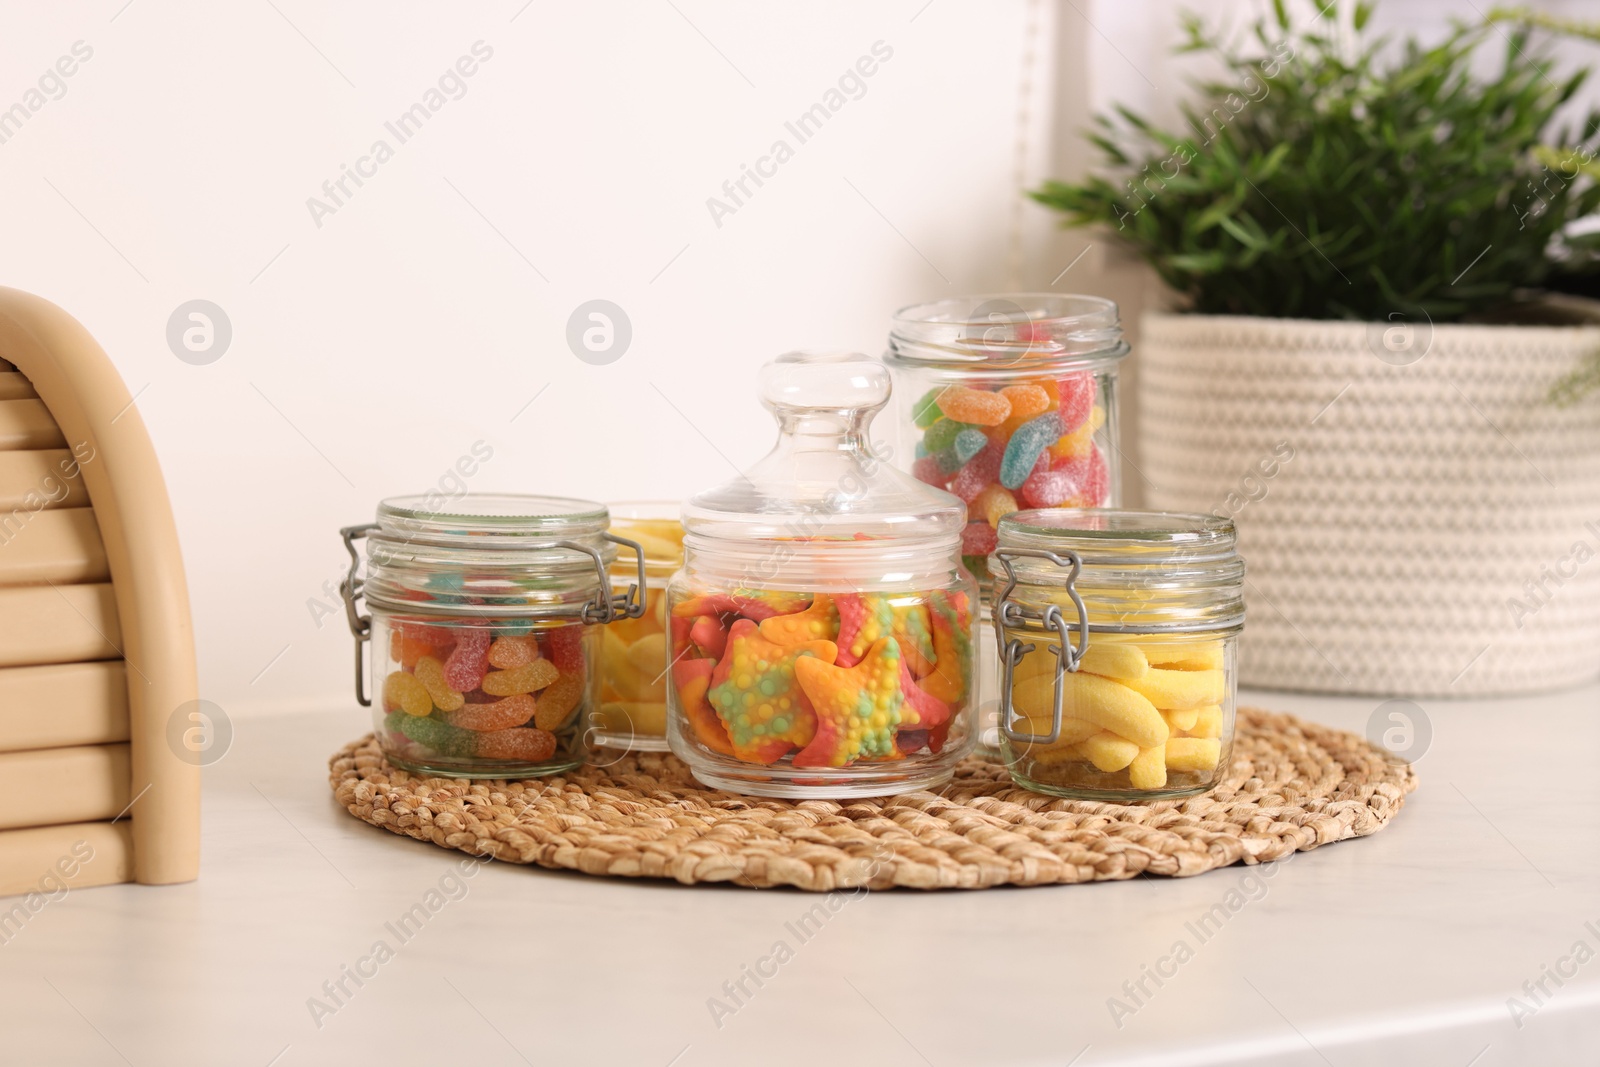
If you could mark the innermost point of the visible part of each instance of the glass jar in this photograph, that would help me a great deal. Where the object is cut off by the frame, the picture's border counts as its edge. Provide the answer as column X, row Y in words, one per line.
column 633, row 658
column 485, row 621
column 1116, row 635
column 1008, row 401
column 821, row 627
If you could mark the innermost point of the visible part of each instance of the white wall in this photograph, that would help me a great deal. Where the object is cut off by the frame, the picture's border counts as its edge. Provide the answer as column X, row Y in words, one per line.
column 376, row 348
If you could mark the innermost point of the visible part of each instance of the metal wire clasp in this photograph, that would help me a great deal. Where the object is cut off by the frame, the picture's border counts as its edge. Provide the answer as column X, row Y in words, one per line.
column 608, row 605
column 350, row 590
column 1009, row 614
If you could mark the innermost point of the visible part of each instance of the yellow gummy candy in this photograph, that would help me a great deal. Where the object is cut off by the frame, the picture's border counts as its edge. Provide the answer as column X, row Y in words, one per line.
column 1108, row 752
column 1207, row 723
column 1186, row 655
column 1110, row 705
column 1122, row 662
column 535, row 676
column 409, row 694
column 1072, row 731
column 648, row 655
column 1179, row 689
column 613, row 652
column 1181, row 720
column 430, row 672
column 1149, row 768
column 635, row 686
column 1193, row 753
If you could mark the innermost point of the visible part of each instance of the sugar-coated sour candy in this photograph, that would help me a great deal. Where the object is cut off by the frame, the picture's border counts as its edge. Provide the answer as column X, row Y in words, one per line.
column 974, row 405
column 1026, row 446
column 456, row 693
column 1037, row 447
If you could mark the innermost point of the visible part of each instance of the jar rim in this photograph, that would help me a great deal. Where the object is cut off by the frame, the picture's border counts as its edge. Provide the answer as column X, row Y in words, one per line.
column 478, row 515
column 1008, row 330
column 1114, row 535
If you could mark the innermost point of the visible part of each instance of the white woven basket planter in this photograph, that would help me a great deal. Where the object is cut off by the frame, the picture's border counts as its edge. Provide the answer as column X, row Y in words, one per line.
column 1428, row 529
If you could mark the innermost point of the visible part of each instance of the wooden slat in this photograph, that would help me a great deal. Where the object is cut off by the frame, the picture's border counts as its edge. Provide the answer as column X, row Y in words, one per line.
column 41, row 480
column 63, row 547
column 27, row 424
column 58, row 624
column 63, row 704
column 80, row 855
column 15, row 386
column 49, row 786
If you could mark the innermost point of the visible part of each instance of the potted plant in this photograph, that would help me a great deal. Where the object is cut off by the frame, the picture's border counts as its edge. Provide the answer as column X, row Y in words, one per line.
column 1375, row 364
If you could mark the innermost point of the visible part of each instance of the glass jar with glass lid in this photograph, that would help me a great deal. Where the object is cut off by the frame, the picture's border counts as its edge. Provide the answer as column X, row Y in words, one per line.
column 486, row 613
column 1116, row 635
column 821, row 627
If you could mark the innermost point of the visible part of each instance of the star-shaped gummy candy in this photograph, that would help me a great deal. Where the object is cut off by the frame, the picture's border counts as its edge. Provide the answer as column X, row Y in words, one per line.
column 857, row 708
column 754, row 692
column 819, row 622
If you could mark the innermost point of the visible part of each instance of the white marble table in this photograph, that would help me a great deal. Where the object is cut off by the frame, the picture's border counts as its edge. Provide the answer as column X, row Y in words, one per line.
column 1402, row 948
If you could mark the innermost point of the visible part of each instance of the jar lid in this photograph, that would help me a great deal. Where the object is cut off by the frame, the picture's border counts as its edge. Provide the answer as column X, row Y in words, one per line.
column 1005, row 330
column 1142, row 570
column 824, row 491
column 487, row 553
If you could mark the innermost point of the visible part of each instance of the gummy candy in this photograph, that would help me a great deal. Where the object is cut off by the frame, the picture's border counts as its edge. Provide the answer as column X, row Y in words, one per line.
column 1090, row 474
column 863, row 618
column 942, row 434
column 968, row 443
column 441, row 737
column 709, row 635
column 532, row 745
column 913, row 630
column 525, row 679
column 925, row 412
column 1025, row 447
column 1079, row 441
column 1027, row 400
column 1049, row 488
column 1077, row 399
column 818, row 622
column 403, row 691
column 693, row 680
column 974, row 406
column 952, row 646
column 509, row 652
column 922, row 708
column 981, row 470
column 468, row 662
column 502, row 714
column 430, row 672
column 992, row 504
column 978, row 539
column 566, row 648
column 754, row 693
column 857, row 708
column 559, row 700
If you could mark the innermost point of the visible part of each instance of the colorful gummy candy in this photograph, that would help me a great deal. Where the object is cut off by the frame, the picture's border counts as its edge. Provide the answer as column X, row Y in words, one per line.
column 1036, row 450
column 827, row 681
column 520, row 706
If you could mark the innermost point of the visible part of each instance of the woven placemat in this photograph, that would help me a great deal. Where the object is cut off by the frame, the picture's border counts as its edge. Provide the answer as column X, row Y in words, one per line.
column 1293, row 785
